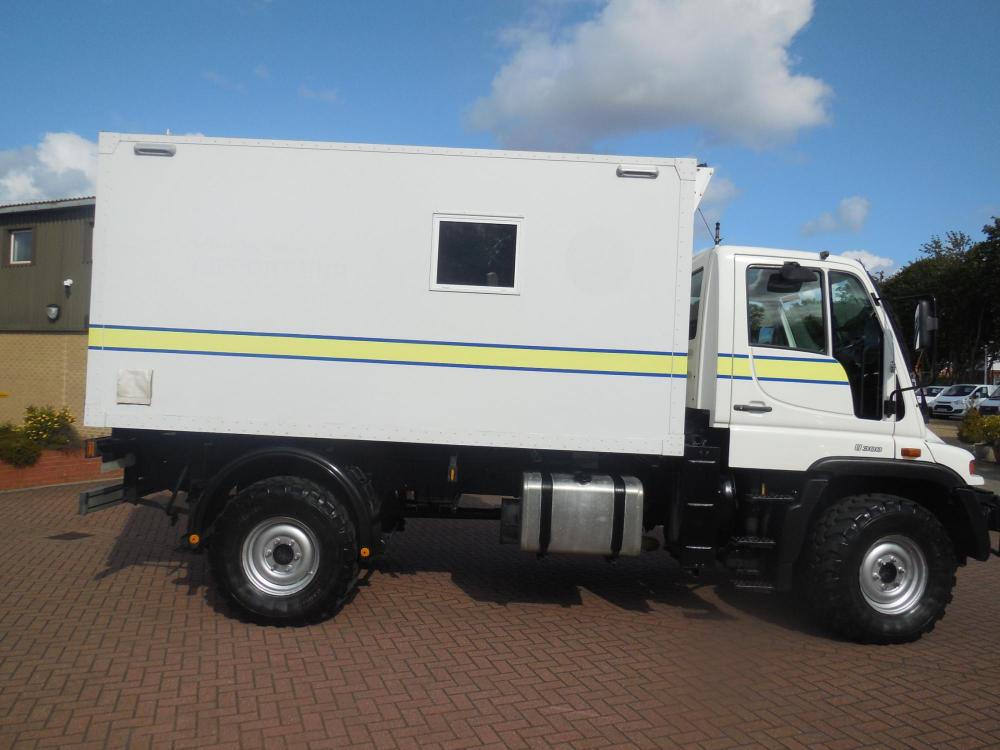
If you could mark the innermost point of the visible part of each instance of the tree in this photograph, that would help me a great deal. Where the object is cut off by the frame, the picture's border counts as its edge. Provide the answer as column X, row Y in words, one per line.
column 964, row 276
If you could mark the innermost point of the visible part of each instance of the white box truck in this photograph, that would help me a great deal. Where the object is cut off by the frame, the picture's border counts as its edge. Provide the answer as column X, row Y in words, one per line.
column 307, row 343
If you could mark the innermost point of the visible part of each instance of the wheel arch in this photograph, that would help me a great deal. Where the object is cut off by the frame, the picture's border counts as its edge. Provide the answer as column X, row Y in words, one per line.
column 348, row 482
column 933, row 486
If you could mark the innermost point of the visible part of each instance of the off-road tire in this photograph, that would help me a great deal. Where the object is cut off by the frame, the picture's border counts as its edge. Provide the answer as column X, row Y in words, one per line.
column 840, row 540
column 309, row 505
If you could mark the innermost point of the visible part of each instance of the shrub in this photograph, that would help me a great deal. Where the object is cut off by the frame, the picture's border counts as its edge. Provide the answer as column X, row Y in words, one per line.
column 44, row 427
column 16, row 448
column 971, row 429
column 991, row 435
column 48, row 427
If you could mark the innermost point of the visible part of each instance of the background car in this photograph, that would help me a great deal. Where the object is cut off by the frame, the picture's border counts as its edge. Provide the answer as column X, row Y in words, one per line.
column 957, row 399
column 990, row 406
column 930, row 394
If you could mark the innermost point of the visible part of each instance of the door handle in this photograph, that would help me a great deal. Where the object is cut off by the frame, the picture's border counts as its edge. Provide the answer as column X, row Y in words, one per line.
column 753, row 408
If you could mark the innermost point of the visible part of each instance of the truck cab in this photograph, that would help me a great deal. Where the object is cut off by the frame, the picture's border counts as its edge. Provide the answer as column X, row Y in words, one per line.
column 799, row 370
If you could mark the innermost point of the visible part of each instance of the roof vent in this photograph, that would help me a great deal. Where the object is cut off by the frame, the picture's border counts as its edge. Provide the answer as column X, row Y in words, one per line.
column 155, row 149
column 632, row 170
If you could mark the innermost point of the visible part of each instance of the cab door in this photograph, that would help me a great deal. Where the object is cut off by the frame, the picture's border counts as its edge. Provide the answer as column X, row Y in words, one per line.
column 807, row 367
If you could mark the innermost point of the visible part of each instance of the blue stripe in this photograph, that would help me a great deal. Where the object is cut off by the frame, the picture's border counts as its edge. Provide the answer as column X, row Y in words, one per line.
column 799, row 380
column 783, row 359
column 390, row 341
column 785, row 380
column 384, row 362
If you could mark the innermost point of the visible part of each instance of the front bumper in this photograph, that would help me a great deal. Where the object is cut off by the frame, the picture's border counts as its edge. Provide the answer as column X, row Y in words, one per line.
column 983, row 510
column 948, row 410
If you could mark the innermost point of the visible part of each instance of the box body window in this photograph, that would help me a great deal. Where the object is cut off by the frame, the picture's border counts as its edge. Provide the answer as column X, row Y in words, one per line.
column 471, row 254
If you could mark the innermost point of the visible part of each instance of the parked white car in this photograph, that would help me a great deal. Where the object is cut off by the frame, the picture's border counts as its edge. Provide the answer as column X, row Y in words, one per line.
column 929, row 393
column 958, row 399
column 990, row 406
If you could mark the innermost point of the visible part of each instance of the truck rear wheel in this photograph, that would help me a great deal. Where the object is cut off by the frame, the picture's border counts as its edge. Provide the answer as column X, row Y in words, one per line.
column 285, row 551
column 881, row 569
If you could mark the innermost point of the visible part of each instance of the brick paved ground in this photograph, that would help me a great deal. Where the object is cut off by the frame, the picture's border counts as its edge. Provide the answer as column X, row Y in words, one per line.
column 110, row 638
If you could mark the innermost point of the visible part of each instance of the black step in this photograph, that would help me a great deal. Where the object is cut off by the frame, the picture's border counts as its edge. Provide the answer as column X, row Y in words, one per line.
column 697, row 555
column 754, row 542
column 772, row 498
column 761, row 587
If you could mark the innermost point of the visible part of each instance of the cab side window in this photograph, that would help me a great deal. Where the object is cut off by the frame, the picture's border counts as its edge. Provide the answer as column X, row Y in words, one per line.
column 696, row 278
column 785, row 314
column 858, row 342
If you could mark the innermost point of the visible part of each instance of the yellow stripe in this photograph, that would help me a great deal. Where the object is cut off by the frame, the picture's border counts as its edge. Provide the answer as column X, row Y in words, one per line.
column 730, row 366
column 792, row 370
column 820, row 370
column 417, row 353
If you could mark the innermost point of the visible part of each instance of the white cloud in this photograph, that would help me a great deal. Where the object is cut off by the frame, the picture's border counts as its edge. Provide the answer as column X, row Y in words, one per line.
column 329, row 96
column 262, row 71
column 850, row 216
column 721, row 190
column 62, row 165
column 219, row 80
column 874, row 263
column 722, row 65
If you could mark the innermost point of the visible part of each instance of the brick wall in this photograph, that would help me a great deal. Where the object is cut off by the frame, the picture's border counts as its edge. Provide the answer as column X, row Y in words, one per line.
column 54, row 467
column 44, row 369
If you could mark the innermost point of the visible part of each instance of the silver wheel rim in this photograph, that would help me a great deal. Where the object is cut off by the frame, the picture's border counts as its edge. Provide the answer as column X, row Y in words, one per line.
column 280, row 556
column 893, row 575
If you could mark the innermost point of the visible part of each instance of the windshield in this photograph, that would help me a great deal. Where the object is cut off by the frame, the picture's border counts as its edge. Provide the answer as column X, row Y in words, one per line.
column 959, row 390
column 933, row 390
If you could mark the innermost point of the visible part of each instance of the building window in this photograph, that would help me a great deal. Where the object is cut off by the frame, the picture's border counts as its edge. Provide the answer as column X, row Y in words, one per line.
column 22, row 251
column 475, row 253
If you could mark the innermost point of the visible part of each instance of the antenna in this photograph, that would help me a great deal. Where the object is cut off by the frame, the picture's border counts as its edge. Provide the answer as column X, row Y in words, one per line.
column 715, row 237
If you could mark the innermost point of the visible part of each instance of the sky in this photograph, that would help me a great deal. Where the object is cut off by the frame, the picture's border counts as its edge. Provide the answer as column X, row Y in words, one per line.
column 855, row 127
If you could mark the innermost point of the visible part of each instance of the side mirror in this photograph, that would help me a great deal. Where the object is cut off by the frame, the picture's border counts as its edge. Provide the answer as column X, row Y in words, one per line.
column 925, row 326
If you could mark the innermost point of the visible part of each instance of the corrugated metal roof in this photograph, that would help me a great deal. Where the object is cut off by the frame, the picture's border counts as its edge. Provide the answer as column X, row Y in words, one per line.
column 11, row 208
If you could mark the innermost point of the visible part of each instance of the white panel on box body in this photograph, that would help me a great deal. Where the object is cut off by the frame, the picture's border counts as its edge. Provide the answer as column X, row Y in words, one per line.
column 285, row 288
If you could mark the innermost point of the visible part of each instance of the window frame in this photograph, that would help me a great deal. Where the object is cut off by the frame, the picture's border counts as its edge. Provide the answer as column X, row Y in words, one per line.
column 10, row 247
column 823, row 302
column 470, row 218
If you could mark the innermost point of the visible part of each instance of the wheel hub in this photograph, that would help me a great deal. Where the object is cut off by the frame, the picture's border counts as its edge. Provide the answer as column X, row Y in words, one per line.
column 893, row 575
column 284, row 554
column 280, row 556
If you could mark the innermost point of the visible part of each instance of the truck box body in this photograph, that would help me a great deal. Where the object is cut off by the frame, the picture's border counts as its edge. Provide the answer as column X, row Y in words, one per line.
column 300, row 289
column 302, row 345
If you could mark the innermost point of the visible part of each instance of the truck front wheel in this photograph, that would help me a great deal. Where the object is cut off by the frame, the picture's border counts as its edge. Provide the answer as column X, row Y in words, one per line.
column 285, row 551
column 880, row 569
